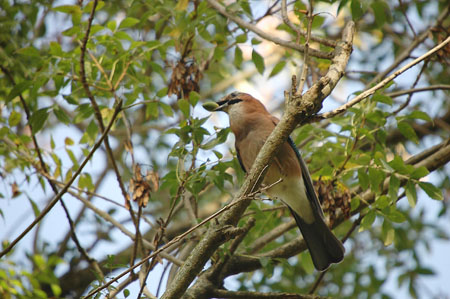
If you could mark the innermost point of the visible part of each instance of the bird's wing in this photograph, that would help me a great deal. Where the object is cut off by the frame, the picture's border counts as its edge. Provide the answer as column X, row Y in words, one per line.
column 305, row 174
column 306, row 179
column 240, row 160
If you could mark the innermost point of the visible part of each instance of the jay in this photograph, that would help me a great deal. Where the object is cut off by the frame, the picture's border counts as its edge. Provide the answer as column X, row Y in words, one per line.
column 251, row 124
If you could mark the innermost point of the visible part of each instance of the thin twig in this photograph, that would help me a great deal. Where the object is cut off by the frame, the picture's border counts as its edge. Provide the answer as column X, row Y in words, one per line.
column 304, row 72
column 408, row 100
column 406, row 17
column 420, row 89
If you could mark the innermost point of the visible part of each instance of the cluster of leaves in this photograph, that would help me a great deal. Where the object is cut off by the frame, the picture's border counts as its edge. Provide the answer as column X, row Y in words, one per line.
column 17, row 282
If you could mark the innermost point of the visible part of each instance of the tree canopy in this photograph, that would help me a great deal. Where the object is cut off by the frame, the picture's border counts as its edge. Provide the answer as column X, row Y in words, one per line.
column 116, row 182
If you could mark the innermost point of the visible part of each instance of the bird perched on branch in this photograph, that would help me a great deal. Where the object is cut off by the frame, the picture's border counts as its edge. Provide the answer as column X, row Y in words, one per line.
column 251, row 124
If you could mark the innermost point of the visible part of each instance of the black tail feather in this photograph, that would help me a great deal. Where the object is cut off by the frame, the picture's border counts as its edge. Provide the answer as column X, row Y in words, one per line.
column 324, row 248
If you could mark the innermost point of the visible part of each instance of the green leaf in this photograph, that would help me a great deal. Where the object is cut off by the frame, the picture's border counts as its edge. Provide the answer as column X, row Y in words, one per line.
column 162, row 92
column 398, row 164
column 14, row 118
column 424, row 271
column 88, row 7
column 68, row 141
column 379, row 12
column 92, row 130
column 72, row 158
column 238, row 57
column 368, row 220
column 85, row 181
column 241, row 38
column 354, row 203
column 35, row 207
column 56, row 289
column 363, row 179
column 69, row 9
column 317, row 21
column 219, row 53
column 193, row 98
column 55, row 49
column 356, row 8
column 376, row 177
column 387, row 232
column 166, row 109
column 342, row 4
column 256, row 41
column 61, row 115
column 416, row 114
column 151, row 110
column 258, row 61
column 431, row 190
column 123, row 35
column 407, row 131
column 379, row 97
column 419, row 172
column 277, row 68
column 126, row 293
column 306, row 262
column 394, row 185
column 52, row 144
column 395, row 215
column 29, row 51
column 71, row 100
column 411, row 194
column 184, row 107
column 182, row 5
column 84, row 111
column 18, row 89
column 37, row 119
column 128, row 22
column 111, row 25
column 382, row 202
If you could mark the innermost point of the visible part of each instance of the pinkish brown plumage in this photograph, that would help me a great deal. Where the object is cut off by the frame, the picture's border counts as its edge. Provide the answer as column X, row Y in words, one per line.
column 251, row 124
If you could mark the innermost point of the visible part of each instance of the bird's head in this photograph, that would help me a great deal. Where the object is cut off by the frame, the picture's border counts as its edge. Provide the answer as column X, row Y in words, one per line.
column 235, row 103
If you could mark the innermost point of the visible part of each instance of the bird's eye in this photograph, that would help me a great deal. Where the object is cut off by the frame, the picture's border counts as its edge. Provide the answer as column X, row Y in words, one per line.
column 234, row 94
